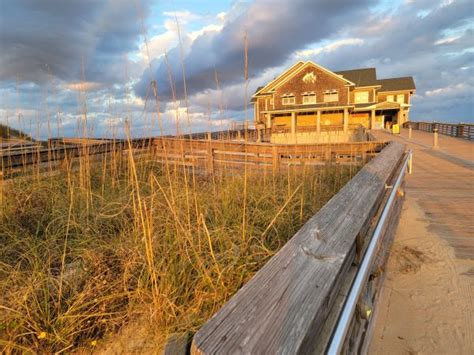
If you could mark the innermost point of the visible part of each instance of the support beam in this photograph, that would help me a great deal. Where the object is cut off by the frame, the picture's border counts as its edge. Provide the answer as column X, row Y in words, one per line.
column 318, row 122
column 372, row 119
column 346, row 121
column 269, row 120
column 293, row 125
column 399, row 116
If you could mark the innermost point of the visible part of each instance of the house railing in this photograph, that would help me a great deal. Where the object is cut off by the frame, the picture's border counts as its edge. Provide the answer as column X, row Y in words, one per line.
column 292, row 305
column 460, row 130
column 313, row 128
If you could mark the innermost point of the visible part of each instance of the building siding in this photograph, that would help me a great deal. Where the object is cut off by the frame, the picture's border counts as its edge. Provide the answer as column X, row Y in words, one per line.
column 297, row 86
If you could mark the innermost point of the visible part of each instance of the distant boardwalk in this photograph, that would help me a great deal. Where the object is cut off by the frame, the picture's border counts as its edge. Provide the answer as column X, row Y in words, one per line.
column 428, row 298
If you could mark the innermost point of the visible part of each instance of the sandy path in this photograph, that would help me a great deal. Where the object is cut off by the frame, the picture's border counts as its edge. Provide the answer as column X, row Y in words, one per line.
column 427, row 305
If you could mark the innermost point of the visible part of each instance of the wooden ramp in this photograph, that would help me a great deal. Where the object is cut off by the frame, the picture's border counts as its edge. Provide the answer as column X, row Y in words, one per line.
column 427, row 303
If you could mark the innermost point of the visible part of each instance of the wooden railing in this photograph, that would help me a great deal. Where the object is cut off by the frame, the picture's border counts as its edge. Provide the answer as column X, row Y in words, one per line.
column 204, row 154
column 323, row 128
column 292, row 304
column 210, row 154
column 461, row 130
column 11, row 158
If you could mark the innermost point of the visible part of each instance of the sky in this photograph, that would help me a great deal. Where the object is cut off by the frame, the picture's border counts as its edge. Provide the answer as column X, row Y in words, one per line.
column 167, row 66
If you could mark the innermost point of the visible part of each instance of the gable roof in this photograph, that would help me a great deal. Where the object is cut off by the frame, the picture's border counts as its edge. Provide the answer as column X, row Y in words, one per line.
column 278, row 78
column 308, row 63
column 293, row 71
column 396, row 84
column 360, row 77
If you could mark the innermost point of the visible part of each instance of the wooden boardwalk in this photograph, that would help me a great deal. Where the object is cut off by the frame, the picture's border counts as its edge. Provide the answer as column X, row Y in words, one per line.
column 427, row 304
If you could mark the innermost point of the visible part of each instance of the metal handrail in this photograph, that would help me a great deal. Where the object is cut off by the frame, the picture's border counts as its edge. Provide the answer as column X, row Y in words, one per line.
column 345, row 317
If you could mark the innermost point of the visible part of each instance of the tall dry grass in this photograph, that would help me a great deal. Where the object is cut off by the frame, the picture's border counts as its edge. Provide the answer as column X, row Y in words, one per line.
column 106, row 241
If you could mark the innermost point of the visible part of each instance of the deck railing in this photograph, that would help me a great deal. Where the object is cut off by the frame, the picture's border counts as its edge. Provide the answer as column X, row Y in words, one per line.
column 460, row 130
column 205, row 154
column 292, row 305
column 211, row 154
column 323, row 128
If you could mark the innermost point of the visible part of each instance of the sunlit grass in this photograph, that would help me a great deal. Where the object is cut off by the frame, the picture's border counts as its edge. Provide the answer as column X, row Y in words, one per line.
column 86, row 251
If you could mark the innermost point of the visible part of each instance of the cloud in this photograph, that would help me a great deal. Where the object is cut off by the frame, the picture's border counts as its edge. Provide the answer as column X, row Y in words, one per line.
column 275, row 30
column 71, row 40
column 331, row 47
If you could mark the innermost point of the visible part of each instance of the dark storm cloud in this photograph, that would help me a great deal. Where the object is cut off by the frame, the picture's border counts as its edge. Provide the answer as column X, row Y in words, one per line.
column 57, row 37
column 275, row 29
column 433, row 42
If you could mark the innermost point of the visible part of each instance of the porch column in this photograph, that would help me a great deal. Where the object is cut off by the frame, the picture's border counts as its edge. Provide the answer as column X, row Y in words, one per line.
column 269, row 120
column 399, row 117
column 372, row 119
column 293, row 125
column 346, row 121
column 318, row 122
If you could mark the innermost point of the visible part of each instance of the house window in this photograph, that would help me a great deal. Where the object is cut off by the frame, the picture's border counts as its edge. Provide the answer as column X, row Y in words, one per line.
column 288, row 99
column 361, row 97
column 401, row 98
column 309, row 98
column 390, row 98
column 331, row 96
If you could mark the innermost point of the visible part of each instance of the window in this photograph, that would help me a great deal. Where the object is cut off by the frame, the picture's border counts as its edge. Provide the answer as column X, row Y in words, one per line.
column 361, row 97
column 331, row 96
column 309, row 98
column 390, row 98
column 288, row 99
column 401, row 98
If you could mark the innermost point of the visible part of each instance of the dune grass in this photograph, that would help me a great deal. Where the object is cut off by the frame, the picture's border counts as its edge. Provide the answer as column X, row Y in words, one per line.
column 87, row 250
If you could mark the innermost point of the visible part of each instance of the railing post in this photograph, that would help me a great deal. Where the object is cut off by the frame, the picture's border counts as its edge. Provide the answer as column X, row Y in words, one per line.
column 210, row 157
column 318, row 122
column 346, row 121
column 435, row 138
column 275, row 159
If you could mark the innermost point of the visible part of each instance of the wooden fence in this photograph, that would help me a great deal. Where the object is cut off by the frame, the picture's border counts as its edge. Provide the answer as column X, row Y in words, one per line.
column 22, row 156
column 211, row 154
column 292, row 304
column 461, row 130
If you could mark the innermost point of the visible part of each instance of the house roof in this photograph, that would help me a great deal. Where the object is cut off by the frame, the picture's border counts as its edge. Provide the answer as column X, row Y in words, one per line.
column 395, row 84
column 360, row 77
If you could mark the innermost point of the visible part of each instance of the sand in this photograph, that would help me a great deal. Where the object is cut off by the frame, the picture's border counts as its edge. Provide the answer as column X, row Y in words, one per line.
column 427, row 301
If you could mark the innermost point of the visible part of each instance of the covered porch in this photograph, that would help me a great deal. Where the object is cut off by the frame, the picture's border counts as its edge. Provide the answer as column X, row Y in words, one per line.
column 311, row 124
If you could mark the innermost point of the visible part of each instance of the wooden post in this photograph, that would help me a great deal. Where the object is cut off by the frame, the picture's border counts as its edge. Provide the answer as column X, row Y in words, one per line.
column 409, row 132
column 346, row 121
column 210, row 157
column 435, row 139
column 372, row 119
column 293, row 126
column 275, row 159
column 318, row 122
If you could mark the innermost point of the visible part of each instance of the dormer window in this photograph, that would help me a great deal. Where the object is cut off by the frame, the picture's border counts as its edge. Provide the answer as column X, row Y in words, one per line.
column 361, row 97
column 309, row 98
column 331, row 95
column 288, row 99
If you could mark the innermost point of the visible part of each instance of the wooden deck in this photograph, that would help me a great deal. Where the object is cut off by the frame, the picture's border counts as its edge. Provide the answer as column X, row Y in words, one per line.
column 427, row 305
